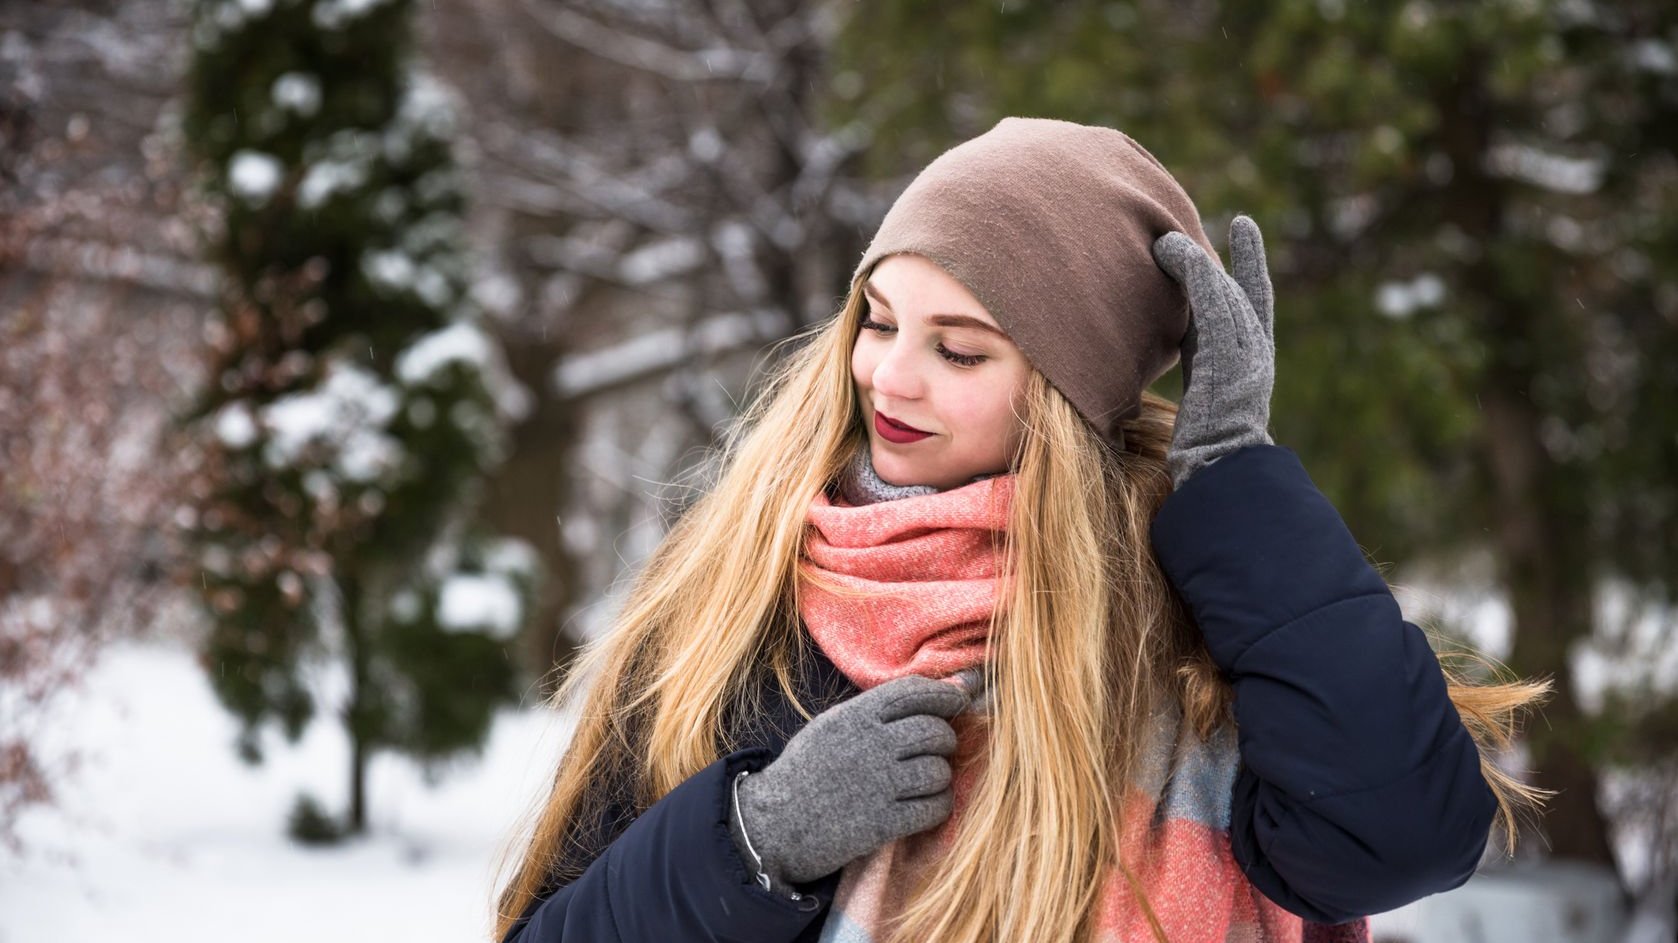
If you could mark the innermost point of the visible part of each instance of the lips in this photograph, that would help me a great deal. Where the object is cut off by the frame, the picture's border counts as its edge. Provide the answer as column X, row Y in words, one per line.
column 899, row 425
column 896, row 433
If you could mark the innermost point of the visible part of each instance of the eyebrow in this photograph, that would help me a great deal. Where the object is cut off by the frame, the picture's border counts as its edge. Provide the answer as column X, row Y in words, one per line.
column 942, row 320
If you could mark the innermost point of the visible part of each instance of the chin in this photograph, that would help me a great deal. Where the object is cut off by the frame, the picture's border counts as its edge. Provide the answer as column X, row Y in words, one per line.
column 890, row 475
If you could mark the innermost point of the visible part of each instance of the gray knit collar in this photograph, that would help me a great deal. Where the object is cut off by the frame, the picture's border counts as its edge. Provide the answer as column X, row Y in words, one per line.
column 860, row 484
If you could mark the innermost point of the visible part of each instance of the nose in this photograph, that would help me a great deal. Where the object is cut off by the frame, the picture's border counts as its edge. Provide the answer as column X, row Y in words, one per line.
column 896, row 375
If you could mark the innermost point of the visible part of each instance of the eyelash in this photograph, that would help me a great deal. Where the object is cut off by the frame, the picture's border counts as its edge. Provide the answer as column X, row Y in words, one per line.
column 962, row 360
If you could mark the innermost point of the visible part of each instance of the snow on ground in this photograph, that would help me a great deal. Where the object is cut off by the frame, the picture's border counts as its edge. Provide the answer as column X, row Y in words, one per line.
column 164, row 835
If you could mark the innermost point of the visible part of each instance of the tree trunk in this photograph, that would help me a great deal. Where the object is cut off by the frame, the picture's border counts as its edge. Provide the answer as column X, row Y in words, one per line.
column 358, row 786
column 354, row 712
column 1541, row 544
column 524, row 496
column 1540, row 526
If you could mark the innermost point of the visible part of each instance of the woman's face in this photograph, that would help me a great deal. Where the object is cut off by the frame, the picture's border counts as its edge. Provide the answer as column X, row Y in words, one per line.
column 930, row 356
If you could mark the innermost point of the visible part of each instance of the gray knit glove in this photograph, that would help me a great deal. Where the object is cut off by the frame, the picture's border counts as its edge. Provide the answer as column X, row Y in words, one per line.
column 859, row 775
column 1229, row 352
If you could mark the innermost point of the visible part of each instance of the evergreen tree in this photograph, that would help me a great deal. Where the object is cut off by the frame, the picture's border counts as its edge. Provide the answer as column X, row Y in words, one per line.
column 356, row 404
column 1472, row 220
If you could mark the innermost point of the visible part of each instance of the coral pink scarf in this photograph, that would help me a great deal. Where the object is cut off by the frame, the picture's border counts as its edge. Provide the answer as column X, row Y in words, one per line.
column 916, row 582
column 923, row 571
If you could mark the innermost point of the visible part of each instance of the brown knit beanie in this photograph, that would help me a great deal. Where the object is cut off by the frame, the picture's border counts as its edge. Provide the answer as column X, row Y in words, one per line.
column 1051, row 225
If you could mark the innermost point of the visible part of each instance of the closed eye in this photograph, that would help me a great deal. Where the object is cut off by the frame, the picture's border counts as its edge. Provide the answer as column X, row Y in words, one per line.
column 964, row 360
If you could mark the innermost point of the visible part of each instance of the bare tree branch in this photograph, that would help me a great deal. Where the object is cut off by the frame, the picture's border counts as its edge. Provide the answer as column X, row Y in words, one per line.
column 677, row 65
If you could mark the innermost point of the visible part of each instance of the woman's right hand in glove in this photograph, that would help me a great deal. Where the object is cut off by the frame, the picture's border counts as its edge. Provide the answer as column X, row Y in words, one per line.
column 861, row 774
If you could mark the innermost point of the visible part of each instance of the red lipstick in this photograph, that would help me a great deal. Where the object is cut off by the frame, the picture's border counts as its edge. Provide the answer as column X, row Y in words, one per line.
column 894, row 431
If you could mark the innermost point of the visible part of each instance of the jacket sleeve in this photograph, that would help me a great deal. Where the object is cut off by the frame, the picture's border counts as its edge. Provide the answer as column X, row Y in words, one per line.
column 675, row 876
column 1359, row 789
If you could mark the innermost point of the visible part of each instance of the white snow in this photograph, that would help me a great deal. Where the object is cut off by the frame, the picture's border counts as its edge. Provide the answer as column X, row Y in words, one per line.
column 331, row 14
column 319, row 485
column 432, row 231
column 341, row 162
column 1399, row 300
column 391, row 268
column 405, row 605
column 327, row 177
column 1559, row 173
column 661, row 259
column 1641, row 652
column 479, row 602
column 437, row 184
column 164, row 835
column 1552, row 903
column 364, row 455
column 659, row 349
column 1654, row 55
column 498, row 293
column 433, row 287
column 217, row 559
column 513, row 556
column 253, row 175
column 460, row 342
column 705, row 144
column 349, row 410
column 297, row 91
column 229, row 17
column 427, row 104
column 465, row 342
column 235, row 426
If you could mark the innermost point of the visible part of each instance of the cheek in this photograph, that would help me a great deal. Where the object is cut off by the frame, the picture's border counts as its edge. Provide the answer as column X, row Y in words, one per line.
column 967, row 411
column 994, row 412
column 985, row 403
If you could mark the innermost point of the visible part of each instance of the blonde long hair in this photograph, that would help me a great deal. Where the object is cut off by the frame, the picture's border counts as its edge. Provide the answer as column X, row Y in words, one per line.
column 1090, row 634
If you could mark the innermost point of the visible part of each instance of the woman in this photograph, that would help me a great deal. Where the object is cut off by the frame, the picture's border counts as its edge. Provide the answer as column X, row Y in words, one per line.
column 974, row 638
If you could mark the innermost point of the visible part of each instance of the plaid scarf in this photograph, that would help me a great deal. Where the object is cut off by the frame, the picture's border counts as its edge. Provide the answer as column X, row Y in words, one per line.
column 898, row 581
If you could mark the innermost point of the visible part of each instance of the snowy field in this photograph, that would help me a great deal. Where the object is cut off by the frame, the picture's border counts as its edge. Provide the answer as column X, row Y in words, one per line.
column 164, row 835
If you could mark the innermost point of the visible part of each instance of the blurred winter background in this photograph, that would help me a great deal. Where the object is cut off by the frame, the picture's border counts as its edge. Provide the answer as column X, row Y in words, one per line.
column 350, row 349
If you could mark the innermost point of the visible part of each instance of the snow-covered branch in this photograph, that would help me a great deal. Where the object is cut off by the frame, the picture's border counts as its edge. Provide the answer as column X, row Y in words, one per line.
column 654, row 352
column 638, row 52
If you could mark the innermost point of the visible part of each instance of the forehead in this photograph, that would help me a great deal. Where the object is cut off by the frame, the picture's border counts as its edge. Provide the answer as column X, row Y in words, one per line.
column 909, row 283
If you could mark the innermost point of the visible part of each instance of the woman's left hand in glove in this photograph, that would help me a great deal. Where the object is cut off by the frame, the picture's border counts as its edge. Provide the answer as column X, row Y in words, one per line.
column 1229, row 351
